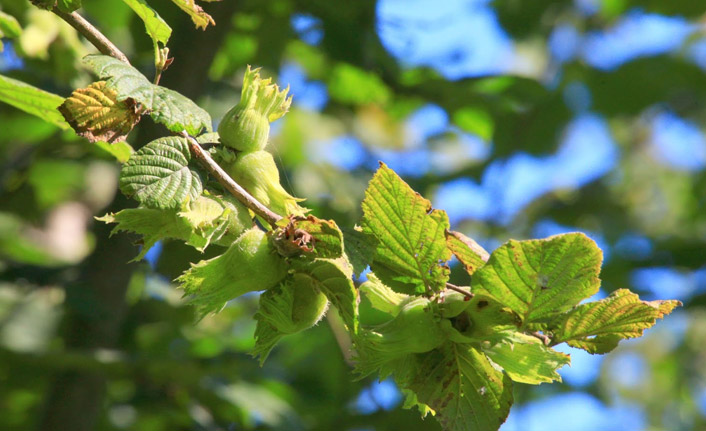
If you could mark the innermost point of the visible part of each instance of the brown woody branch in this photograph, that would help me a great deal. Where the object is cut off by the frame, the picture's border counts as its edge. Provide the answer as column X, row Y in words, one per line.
column 98, row 39
column 459, row 290
column 230, row 185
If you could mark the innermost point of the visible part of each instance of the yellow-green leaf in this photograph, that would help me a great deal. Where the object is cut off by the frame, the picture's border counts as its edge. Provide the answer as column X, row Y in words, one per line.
column 200, row 18
column 598, row 326
column 95, row 113
column 155, row 26
column 411, row 247
column 538, row 279
column 468, row 252
column 32, row 100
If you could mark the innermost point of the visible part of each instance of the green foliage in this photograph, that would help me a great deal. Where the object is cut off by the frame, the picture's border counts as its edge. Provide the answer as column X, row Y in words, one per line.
column 455, row 355
column 156, row 27
column 32, row 100
column 409, row 234
column 598, row 326
column 165, row 106
column 159, row 176
column 538, row 279
column 250, row 264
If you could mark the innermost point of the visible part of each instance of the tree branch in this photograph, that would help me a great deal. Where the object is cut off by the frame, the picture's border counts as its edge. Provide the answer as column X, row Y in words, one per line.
column 98, row 39
column 226, row 181
column 459, row 290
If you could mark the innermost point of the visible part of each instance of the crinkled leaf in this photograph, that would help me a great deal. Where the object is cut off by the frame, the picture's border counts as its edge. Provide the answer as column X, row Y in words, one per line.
column 120, row 150
column 155, row 26
column 333, row 278
column 94, row 113
column 525, row 358
column 200, row 18
column 165, row 106
column 359, row 247
column 152, row 224
column 598, row 326
column 411, row 246
column 158, row 175
column 309, row 236
column 68, row 6
column 9, row 27
column 538, row 279
column 32, row 100
column 462, row 386
column 468, row 252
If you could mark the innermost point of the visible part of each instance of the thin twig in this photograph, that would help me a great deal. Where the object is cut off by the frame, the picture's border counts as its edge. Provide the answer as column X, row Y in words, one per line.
column 226, row 181
column 98, row 39
column 459, row 290
column 546, row 340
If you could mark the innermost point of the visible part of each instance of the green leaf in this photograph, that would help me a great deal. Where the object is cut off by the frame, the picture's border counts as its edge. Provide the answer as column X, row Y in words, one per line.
column 538, row 279
column 32, row 100
column 156, row 27
column 411, row 248
column 152, row 224
column 158, row 175
column 120, row 150
column 382, row 297
column 359, row 247
column 208, row 138
column 475, row 120
column 310, row 237
column 9, row 27
column 165, row 106
column 468, row 252
column 598, row 326
column 68, row 6
column 248, row 265
column 95, row 114
column 333, row 278
column 462, row 386
column 200, row 18
column 349, row 84
column 525, row 358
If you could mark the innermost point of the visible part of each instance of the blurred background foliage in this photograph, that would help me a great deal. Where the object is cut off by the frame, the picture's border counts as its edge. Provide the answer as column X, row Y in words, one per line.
column 522, row 119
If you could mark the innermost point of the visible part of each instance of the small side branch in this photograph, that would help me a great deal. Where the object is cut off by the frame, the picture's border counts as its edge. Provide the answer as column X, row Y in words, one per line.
column 98, row 39
column 546, row 340
column 226, row 181
column 459, row 290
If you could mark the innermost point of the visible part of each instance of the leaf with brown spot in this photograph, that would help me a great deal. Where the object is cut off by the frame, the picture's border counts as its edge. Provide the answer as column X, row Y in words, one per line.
column 598, row 326
column 466, row 250
column 95, row 114
column 200, row 18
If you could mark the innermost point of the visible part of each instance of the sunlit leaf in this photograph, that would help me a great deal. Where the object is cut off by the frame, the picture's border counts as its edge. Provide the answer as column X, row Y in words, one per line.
column 525, row 358
column 598, row 326
column 120, row 150
column 538, row 279
column 200, row 18
column 165, row 106
column 155, row 26
column 411, row 246
column 467, row 251
column 32, row 100
column 9, row 27
column 94, row 113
